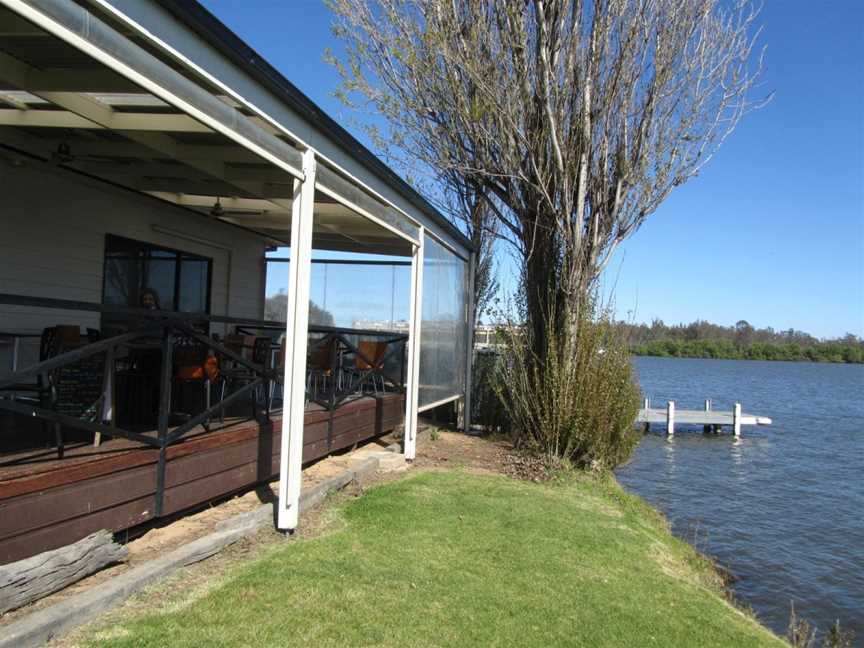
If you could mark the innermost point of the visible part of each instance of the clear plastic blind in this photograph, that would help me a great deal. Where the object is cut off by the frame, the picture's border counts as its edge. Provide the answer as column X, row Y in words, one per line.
column 443, row 328
column 359, row 293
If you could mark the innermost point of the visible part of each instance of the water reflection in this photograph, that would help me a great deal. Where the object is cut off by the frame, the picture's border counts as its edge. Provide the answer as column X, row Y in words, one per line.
column 737, row 451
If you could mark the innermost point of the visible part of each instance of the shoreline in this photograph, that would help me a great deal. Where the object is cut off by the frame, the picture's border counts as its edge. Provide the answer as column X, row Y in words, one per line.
column 637, row 354
column 499, row 547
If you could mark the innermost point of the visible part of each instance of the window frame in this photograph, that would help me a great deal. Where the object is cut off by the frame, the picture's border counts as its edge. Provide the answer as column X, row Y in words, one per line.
column 178, row 271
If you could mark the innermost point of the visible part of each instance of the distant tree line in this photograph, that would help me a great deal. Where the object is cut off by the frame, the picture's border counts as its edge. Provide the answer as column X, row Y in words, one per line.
column 701, row 339
column 276, row 308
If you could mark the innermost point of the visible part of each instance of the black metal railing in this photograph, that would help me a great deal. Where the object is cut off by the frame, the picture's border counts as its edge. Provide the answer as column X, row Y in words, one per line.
column 168, row 333
column 348, row 366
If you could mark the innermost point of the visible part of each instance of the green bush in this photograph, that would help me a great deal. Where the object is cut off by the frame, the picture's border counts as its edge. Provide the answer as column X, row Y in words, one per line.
column 579, row 403
column 486, row 409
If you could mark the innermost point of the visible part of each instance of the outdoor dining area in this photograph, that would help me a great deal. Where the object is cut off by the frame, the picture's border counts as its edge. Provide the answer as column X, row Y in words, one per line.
column 98, row 424
column 148, row 364
column 238, row 375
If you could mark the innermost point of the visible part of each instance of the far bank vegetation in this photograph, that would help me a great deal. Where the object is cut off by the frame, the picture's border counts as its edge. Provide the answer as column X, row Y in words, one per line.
column 701, row 339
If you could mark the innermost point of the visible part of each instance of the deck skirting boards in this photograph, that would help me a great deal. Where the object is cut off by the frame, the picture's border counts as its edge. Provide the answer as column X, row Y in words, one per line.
column 45, row 624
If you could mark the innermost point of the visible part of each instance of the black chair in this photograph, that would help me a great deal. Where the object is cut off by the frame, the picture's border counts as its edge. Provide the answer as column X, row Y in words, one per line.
column 257, row 350
column 41, row 392
column 74, row 390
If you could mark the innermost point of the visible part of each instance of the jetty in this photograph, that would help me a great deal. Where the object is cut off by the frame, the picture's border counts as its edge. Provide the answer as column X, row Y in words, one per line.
column 711, row 420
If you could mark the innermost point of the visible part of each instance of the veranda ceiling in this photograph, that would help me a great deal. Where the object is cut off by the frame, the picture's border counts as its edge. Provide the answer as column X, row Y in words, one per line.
column 64, row 107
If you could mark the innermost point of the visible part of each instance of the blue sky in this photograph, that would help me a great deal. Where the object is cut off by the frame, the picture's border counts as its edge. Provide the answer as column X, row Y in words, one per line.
column 773, row 229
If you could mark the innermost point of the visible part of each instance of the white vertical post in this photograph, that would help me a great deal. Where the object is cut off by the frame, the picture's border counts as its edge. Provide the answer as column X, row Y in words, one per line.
column 670, row 417
column 736, row 420
column 645, row 404
column 296, row 341
column 465, row 424
column 707, row 404
column 412, row 383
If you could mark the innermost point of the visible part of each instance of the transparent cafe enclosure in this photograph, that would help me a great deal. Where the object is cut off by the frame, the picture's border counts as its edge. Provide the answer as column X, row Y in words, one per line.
column 372, row 293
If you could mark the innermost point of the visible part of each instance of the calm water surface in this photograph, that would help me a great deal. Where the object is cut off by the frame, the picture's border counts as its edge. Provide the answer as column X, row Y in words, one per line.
column 783, row 507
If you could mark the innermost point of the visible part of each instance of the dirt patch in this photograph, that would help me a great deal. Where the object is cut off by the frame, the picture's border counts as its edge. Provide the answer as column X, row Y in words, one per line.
column 445, row 448
column 441, row 448
column 527, row 467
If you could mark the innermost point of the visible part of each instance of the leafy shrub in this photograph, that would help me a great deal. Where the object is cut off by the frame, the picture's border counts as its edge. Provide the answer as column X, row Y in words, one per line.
column 578, row 403
column 801, row 634
column 486, row 409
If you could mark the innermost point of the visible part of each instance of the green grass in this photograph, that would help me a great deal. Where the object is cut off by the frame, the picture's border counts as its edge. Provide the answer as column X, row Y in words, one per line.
column 458, row 559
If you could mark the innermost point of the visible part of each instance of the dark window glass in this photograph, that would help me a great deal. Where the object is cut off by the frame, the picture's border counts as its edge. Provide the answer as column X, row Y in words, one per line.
column 159, row 273
column 142, row 275
column 194, row 286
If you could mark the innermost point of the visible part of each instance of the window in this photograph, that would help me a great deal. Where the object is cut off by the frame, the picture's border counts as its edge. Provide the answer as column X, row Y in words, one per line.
column 175, row 280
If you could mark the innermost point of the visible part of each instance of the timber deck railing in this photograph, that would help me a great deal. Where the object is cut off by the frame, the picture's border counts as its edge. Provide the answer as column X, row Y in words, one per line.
column 165, row 330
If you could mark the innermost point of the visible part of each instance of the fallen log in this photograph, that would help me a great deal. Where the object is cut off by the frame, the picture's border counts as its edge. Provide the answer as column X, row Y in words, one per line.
column 28, row 580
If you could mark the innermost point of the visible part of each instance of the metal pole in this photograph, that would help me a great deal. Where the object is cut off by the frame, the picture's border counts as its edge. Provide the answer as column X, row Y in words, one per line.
column 164, row 412
column 469, row 352
column 409, row 440
column 392, row 296
column 296, row 343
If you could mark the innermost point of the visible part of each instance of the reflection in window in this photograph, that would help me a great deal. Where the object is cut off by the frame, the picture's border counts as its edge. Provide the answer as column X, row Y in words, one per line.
column 351, row 290
column 142, row 275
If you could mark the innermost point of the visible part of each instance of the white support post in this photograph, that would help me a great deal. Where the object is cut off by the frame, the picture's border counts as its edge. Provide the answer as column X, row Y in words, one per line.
column 412, row 383
column 736, row 420
column 646, row 404
column 296, row 341
column 465, row 423
column 707, row 404
column 670, row 418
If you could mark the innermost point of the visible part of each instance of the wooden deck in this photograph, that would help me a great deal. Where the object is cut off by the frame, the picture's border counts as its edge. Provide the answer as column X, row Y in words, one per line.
column 47, row 502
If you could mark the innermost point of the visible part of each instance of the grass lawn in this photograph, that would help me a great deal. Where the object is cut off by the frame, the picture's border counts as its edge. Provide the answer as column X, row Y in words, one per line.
column 453, row 558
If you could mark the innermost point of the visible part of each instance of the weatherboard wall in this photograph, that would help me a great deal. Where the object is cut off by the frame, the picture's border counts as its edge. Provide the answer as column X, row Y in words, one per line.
column 53, row 225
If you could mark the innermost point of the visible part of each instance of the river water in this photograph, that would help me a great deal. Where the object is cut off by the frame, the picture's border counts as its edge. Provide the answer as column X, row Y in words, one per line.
column 783, row 507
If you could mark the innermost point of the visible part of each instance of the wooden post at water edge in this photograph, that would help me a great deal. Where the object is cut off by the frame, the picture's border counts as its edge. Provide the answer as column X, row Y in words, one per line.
column 736, row 420
column 670, row 418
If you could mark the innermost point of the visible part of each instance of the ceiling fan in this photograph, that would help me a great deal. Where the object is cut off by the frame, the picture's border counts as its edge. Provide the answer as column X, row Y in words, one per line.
column 218, row 211
column 64, row 154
